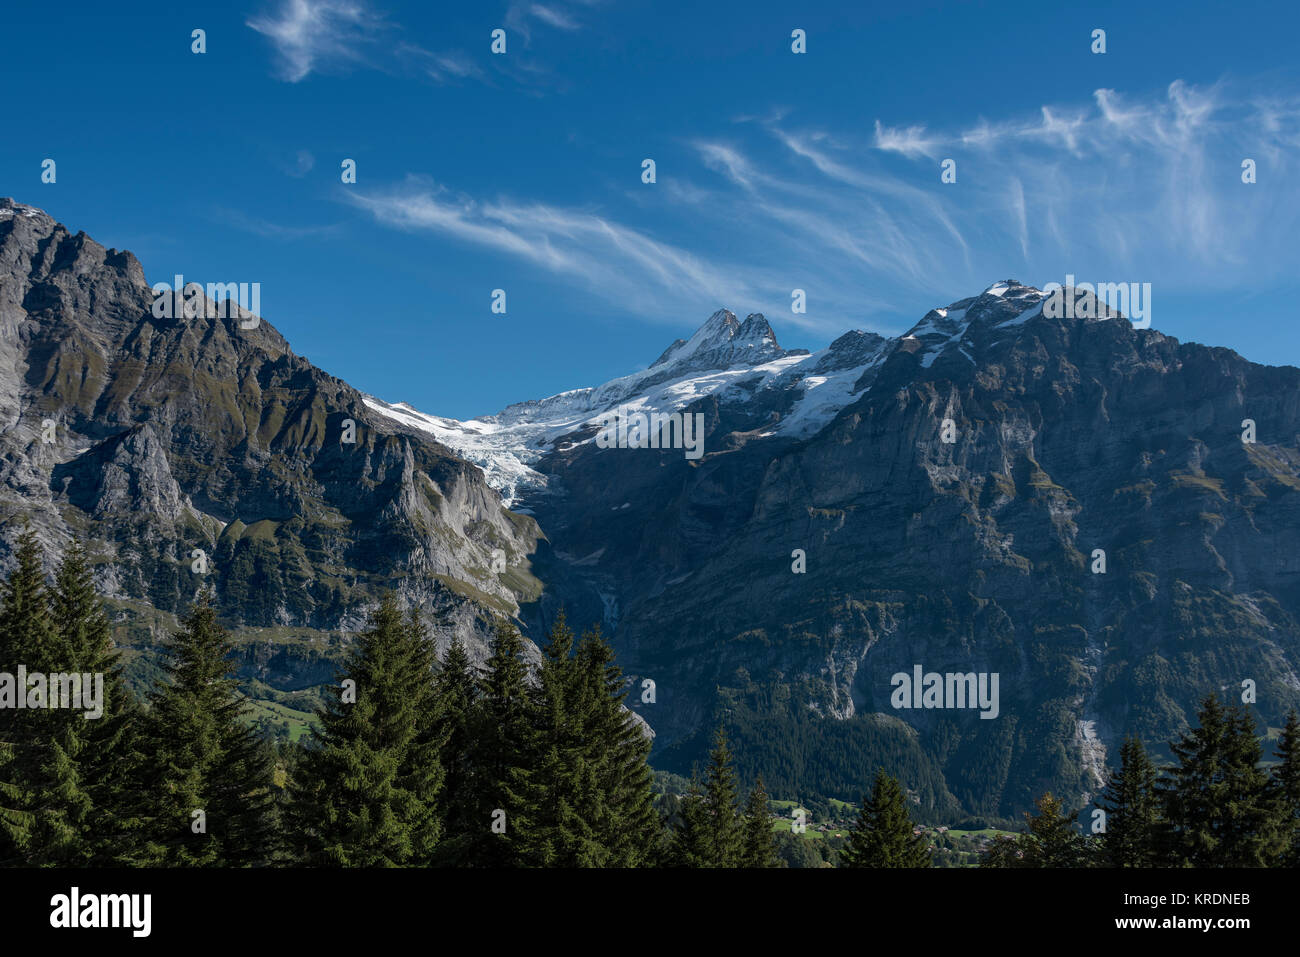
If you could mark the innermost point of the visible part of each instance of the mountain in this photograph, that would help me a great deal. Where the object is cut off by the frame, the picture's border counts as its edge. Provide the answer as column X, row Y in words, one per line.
column 720, row 343
column 1070, row 435
column 940, row 500
column 722, row 356
column 154, row 439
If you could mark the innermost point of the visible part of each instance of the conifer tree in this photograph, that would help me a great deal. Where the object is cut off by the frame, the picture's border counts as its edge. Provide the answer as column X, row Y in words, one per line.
column 1249, row 828
column 1052, row 839
column 621, row 811
column 724, row 826
column 882, row 836
column 75, row 794
column 1215, row 798
column 503, row 747
column 692, row 844
column 27, row 631
column 421, row 774
column 210, row 798
column 455, row 691
column 1285, row 792
column 28, row 766
column 759, row 840
column 12, row 822
column 366, row 792
column 710, row 832
column 1002, row 851
column 1132, row 810
column 1191, row 793
column 89, row 800
column 564, row 795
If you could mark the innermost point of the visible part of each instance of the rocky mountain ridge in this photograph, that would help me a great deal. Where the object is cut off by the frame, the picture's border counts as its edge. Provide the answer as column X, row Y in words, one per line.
column 833, row 536
column 200, row 449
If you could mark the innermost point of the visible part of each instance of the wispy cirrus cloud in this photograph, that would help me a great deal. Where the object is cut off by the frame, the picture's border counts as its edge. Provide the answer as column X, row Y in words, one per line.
column 443, row 67
column 1125, row 184
column 911, row 141
column 553, row 16
column 311, row 34
column 1157, row 176
column 336, row 36
column 878, row 187
column 1122, row 187
column 867, row 233
column 644, row 274
column 259, row 226
column 557, row 14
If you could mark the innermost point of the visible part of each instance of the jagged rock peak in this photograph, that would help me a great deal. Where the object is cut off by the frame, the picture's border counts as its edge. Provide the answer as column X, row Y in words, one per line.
column 724, row 341
column 10, row 208
column 757, row 329
column 21, row 220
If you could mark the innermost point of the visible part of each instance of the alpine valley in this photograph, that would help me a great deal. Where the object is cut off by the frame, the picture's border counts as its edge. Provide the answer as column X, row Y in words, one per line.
column 827, row 539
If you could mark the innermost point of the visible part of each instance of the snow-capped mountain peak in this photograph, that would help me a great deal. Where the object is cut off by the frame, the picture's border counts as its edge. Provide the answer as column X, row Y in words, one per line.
column 721, row 342
column 736, row 362
column 955, row 325
column 9, row 208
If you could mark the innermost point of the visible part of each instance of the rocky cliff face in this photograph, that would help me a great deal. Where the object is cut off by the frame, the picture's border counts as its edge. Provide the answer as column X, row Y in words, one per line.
column 200, row 449
column 978, row 554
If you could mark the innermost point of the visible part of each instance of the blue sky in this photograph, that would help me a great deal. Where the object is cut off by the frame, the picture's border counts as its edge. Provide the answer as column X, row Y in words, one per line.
column 775, row 170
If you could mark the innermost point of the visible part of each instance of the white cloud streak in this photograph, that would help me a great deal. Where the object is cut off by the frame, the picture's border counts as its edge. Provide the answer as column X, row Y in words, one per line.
column 309, row 33
column 1120, row 187
column 625, row 265
column 312, row 36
